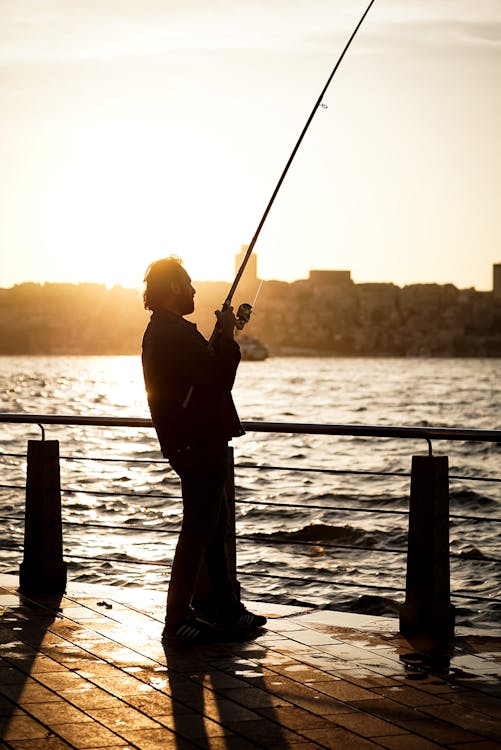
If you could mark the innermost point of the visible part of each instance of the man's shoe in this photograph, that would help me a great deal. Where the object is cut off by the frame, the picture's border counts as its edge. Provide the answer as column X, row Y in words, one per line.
column 241, row 620
column 191, row 630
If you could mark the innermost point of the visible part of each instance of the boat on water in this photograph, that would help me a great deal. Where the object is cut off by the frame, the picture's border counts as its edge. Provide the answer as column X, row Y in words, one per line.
column 252, row 348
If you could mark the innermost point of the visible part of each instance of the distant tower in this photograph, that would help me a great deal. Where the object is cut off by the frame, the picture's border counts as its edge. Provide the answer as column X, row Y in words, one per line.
column 496, row 280
column 249, row 278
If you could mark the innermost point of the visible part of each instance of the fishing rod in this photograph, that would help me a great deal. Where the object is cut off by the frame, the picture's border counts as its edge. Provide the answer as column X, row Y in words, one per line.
column 244, row 311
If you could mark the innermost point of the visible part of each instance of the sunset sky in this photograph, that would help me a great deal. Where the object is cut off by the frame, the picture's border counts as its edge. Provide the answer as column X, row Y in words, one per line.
column 132, row 129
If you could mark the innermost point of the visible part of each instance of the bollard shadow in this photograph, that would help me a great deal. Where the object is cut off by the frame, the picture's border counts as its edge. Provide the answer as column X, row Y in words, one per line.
column 218, row 694
column 24, row 621
column 429, row 656
column 469, row 660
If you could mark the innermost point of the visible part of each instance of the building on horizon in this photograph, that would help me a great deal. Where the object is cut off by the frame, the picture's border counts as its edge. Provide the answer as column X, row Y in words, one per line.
column 496, row 280
column 330, row 277
column 249, row 280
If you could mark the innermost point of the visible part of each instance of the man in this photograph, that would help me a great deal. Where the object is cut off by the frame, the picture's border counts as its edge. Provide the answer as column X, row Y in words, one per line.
column 188, row 384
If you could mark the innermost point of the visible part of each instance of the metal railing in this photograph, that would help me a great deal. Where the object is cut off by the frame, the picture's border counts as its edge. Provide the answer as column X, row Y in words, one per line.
column 438, row 577
column 294, row 428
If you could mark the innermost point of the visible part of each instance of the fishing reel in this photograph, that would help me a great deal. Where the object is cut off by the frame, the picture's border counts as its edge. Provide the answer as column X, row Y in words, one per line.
column 243, row 315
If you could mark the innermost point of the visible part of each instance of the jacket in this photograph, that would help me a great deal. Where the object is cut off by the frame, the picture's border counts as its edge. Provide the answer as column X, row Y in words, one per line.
column 188, row 385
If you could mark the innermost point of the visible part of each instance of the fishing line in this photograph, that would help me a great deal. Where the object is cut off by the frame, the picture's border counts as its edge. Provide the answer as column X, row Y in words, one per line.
column 318, row 103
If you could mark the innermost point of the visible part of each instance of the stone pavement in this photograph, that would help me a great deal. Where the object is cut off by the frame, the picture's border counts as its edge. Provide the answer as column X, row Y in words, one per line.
column 89, row 671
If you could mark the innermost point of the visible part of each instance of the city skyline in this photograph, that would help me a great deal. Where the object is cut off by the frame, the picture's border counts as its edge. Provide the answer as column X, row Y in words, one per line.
column 311, row 275
column 131, row 132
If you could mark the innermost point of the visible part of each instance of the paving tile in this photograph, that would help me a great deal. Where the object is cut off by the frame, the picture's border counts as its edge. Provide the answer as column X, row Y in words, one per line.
column 59, row 680
column 267, row 733
column 337, row 738
column 29, row 692
column 487, row 745
column 154, row 739
column 320, row 704
column 11, row 676
column 364, row 678
column 275, row 657
column 367, row 726
column 407, row 742
column 122, row 656
column 218, row 680
column 191, row 726
column 343, row 690
column 255, row 697
column 429, row 683
column 23, row 727
column 228, row 711
column 389, row 710
column 112, row 679
column 230, row 742
column 49, row 743
column 7, row 599
column 346, row 652
column 475, row 664
column 383, row 667
column 441, row 731
column 87, row 696
column 84, row 736
column 308, row 637
column 474, row 721
column 44, row 664
column 184, row 717
column 157, row 705
column 284, row 625
column 293, row 717
column 122, row 716
column 481, row 702
column 409, row 696
column 301, row 672
column 318, row 660
column 57, row 713
column 6, row 706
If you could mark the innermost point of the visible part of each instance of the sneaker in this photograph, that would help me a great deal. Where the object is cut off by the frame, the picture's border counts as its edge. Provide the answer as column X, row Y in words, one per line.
column 242, row 620
column 191, row 630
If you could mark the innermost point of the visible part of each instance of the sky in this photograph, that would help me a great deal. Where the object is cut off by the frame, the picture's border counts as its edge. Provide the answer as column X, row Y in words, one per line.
column 135, row 129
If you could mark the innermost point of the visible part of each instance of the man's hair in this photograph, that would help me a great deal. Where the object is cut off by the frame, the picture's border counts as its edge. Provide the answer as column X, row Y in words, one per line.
column 157, row 278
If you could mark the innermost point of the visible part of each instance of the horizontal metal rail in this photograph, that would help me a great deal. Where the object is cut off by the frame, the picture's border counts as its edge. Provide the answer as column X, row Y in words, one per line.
column 295, row 428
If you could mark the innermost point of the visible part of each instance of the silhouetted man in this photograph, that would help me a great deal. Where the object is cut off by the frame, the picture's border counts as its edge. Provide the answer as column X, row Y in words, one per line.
column 189, row 384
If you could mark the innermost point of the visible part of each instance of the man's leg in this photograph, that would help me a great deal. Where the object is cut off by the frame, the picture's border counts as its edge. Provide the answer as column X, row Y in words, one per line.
column 222, row 586
column 202, row 481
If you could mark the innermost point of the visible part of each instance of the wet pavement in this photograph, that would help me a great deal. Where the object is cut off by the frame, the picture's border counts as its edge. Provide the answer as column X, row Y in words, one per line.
column 89, row 671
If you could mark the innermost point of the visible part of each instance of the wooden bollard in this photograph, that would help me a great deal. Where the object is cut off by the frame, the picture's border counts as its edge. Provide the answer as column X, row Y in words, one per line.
column 43, row 570
column 427, row 610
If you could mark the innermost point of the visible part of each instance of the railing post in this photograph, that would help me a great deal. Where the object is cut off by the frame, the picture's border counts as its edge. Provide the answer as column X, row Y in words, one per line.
column 231, row 538
column 427, row 610
column 43, row 570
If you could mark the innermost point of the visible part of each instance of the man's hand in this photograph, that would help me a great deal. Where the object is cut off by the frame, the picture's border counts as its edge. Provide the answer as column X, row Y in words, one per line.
column 226, row 322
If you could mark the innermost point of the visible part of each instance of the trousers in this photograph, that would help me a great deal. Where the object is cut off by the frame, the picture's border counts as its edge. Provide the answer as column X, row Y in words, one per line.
column 202, row 470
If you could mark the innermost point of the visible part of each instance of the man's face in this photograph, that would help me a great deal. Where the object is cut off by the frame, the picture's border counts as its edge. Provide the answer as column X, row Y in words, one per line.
column 183, row 294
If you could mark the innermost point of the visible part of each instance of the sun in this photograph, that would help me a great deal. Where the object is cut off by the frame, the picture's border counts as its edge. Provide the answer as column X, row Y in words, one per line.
column 120, row 197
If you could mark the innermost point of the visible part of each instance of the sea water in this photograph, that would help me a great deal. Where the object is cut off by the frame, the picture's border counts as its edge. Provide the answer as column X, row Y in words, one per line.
column 334, row 540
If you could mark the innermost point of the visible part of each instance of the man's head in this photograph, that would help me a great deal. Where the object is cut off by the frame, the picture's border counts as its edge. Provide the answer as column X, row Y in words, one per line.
column 168, row 287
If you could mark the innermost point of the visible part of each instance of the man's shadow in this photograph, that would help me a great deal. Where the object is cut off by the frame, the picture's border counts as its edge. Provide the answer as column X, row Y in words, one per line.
column 202, row 680
column 23, row 625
